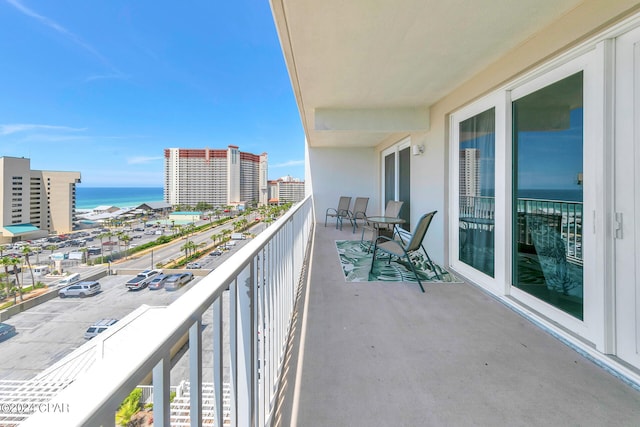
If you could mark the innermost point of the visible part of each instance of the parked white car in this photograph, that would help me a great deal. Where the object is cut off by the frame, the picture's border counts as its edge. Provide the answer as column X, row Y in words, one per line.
column 82, row 289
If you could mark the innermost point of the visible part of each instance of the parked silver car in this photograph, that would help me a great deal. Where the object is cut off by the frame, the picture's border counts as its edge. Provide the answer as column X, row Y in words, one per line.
column 81, row 289
column 158, row 282
column 175, row 281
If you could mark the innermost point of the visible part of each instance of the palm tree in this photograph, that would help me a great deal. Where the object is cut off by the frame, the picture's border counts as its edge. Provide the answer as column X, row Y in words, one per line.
column 5, row 261
column 126, row 239
column 14, row 262
column 85, row 255
column 189, row 246
column 214, row 237
column 189, row 229
column 101, row 236
column 108, row 235
column 26, row 251
column 3, row 276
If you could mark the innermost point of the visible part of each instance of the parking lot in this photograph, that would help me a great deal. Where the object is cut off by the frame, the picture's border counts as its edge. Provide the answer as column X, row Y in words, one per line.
column 50, row 331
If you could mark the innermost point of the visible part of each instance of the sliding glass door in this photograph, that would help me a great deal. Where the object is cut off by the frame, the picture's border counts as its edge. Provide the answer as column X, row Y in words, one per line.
column 396, row 173
column 547, row 204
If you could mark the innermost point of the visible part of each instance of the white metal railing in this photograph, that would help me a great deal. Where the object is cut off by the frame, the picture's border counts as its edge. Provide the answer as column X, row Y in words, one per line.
column 482, row 207
column 262, row 279
column 563, row 215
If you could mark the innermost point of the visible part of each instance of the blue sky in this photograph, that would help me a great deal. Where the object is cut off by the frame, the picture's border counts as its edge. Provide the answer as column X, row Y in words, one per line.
column 103, row 86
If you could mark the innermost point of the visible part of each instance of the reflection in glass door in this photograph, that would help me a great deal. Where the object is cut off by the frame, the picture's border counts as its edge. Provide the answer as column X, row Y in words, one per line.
column 547, row 194
column 477, row 191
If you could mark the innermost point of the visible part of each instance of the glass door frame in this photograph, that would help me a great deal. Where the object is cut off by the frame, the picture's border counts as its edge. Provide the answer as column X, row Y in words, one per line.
column 499, row 102
column 591, row 65
column 594, row 63
column 394, row 149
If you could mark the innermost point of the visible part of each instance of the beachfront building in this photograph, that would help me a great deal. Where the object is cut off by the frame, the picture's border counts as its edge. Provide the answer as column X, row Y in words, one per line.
column 215, row 176
column 35, row 203
column 285, row 190
column 155, row 208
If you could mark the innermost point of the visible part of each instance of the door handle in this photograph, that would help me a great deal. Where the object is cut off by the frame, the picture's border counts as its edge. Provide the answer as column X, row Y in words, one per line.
column 617, row 225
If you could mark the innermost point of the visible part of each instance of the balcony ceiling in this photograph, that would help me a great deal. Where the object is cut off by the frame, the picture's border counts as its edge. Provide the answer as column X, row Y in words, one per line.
column 364, row 70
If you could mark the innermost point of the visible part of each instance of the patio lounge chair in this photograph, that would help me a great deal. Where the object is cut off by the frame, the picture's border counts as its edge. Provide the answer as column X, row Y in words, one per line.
column 399, row 249
column 342, row 211
column 359, row 211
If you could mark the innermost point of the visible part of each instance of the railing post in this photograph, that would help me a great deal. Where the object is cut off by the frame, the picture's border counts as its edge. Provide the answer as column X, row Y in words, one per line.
column 195, row 373
column 217, row 359
column 241, row 352
column 161, row 383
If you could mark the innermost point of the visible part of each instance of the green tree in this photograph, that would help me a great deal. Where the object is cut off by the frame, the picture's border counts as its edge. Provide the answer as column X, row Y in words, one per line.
column 215, row 237
column 202, row 206
column 85, row 255
column 5, row 261
column 125, row 238
column 102, row 236
column 188, row 247
column 129, row 407
column 14, row 262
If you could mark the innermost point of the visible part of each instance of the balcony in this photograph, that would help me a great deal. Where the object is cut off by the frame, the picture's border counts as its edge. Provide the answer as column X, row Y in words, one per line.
column 329, row 352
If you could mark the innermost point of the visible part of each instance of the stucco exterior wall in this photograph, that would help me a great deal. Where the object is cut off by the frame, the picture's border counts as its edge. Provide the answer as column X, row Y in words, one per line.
column 429, row 171
column 336, row 172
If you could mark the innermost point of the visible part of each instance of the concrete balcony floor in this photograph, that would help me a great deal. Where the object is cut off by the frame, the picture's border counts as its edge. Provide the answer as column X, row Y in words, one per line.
column 385, row 354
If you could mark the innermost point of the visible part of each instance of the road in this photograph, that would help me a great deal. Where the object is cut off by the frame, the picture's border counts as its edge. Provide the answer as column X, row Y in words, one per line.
column 50, row 331
column 172, row 251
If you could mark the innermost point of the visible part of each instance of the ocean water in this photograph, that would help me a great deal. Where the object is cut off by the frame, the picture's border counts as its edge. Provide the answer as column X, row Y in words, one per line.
column 569, row 195
column 90, row 197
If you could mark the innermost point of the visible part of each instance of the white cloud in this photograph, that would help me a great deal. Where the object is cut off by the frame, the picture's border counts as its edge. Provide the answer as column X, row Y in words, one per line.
column 8, row 129
column 141, row 160
column 106, row 77
column 287, row 164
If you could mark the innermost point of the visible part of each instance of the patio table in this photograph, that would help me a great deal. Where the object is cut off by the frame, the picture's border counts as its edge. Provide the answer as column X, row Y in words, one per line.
column 378, row 221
